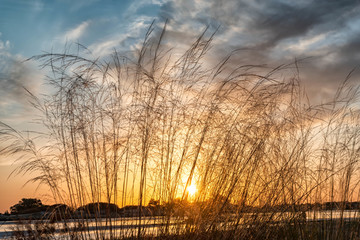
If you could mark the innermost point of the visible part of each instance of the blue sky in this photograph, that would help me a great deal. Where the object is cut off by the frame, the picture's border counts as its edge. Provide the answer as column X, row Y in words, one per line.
column 29, row 28
column 35, row 26
column 273, row 32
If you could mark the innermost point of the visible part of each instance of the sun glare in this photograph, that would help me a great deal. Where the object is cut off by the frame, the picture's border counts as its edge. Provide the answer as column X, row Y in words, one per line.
column 191, row 189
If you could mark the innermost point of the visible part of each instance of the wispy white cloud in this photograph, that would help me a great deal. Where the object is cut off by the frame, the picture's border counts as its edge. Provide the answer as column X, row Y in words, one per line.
column 38, row 5
column 124, row 40
column 78, row 4
column 15, row 74
column 4, row 47
column 136, row 5
column 303, row 44
column 76, row 33
column 103, row 48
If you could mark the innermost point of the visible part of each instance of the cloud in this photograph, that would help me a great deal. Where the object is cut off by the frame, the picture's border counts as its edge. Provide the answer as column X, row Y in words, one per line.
column 4, row 46
column 275, row 32
column 15, row 74
column 38, row 5
column 105, row 47
column 79, row 4
column 76, row 33
column 269, row 32
column 122, row 41
column 263, row 23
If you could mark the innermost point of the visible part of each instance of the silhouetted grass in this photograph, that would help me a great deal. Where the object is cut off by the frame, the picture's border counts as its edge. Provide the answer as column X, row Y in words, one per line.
column 128, row 129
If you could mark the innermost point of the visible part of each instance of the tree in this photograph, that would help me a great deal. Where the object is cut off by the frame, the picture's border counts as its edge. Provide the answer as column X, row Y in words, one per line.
column 154, row 203
column 155, row 207
column 27, row 205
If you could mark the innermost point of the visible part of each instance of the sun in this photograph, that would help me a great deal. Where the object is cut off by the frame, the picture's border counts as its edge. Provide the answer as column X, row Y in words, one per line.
column 192, row 189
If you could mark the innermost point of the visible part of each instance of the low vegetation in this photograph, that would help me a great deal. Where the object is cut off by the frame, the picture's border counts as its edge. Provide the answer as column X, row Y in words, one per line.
column 148, row 125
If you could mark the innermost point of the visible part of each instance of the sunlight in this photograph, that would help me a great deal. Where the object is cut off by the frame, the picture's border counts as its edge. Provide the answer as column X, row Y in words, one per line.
column 192, row 189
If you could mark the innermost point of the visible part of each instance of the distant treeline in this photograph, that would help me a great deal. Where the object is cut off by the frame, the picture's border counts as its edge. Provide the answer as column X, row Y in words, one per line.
column 307, row 207
column 30, row 208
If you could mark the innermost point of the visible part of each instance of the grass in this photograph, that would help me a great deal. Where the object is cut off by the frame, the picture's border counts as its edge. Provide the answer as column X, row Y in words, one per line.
column 127, row 129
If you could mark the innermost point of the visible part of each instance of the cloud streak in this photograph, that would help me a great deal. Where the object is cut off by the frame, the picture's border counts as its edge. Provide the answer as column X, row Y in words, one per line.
column 15, row 75
column 76, row 33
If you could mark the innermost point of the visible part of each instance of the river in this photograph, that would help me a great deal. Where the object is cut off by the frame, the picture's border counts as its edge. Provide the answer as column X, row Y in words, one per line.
column 127, row 227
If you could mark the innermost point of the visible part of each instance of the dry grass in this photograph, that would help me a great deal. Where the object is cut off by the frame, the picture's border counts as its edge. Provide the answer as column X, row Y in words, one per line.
column 128, row 129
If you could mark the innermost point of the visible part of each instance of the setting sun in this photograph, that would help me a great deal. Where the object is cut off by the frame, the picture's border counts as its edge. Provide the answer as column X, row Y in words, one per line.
column 192, row 189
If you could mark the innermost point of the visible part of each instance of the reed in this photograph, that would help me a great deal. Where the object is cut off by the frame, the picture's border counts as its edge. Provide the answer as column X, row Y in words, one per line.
column 130, row 128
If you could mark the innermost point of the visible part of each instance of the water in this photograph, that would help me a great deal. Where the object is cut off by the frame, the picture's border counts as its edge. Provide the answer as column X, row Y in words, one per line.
column 326, row 215
column 122, row 227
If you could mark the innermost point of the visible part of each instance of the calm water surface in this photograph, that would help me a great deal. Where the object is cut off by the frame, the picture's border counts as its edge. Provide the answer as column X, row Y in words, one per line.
column 151, row 225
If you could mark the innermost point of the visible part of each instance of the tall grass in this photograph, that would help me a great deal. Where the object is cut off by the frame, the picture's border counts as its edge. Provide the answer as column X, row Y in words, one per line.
column 128, row 129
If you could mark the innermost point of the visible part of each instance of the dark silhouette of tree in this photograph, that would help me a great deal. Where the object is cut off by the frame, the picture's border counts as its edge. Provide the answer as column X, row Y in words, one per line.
column 154, row 203
column 155, row 207
column 58, row 212
column 99, row 208
column 27, row 205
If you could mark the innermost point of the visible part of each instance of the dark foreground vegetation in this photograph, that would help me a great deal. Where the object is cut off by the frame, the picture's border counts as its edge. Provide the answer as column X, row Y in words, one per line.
column 149, row 124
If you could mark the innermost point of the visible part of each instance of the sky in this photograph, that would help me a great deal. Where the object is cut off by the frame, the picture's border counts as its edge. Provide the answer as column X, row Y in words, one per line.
column 323, row 34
